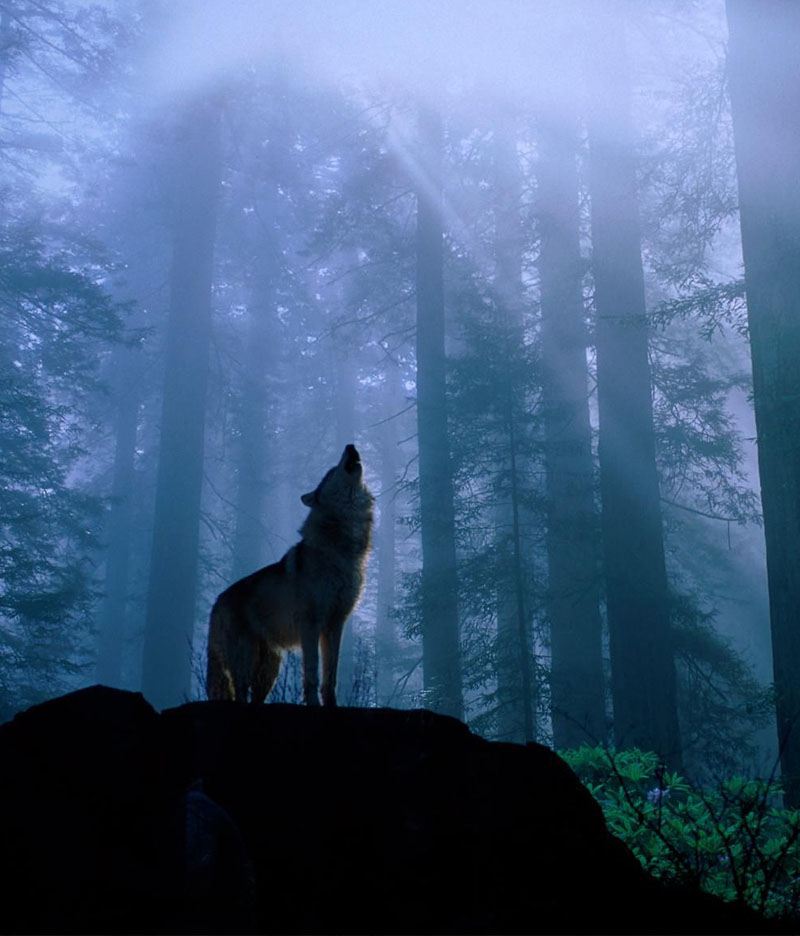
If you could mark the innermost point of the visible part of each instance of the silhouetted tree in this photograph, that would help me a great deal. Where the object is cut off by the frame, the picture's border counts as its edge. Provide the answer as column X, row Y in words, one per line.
column 642, row 666
column 385, row 540
column 119, row 529
column 573, row 556
column 440, row 624
column 764, row 71
column 166, row 664
column 516, row 686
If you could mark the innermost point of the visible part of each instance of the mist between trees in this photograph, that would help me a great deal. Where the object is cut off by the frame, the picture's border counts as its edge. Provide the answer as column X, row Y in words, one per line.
column 522, row 254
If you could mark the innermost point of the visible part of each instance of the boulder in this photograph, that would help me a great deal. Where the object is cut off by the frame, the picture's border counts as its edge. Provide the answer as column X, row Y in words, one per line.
column 223, row 818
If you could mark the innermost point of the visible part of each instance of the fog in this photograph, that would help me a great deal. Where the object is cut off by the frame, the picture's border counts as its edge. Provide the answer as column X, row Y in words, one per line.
column 496, row 246
column 415, row 46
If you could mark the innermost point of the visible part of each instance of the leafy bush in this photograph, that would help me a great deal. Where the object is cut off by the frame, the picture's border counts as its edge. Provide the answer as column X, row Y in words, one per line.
column 735, row 841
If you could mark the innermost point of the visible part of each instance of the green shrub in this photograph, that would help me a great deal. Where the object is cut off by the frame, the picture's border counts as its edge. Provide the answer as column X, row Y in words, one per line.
column 735, row 841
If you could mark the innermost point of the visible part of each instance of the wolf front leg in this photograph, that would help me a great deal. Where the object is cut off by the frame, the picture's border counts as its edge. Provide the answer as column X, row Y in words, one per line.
column 331, row 640
column 265, row 672
column 218, row 678
column 309, row 641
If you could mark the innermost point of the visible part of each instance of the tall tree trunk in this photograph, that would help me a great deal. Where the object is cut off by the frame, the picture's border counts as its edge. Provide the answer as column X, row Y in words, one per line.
column 515, row 684
column 385, row 643
column 167, row 658
column 440, row 628
column 346, row 383
column 642, row 665
column 764, row 71
column 527, row 697
column 113, row 610
column 263, row 237
column 573, row 528
column 248, row 543
column 6, row 50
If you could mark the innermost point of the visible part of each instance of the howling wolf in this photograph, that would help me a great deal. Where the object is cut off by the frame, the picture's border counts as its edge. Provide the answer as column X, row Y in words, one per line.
column 304, row 599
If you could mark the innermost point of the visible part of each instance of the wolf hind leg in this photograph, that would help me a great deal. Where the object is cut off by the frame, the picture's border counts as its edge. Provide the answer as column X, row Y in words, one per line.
column 330, row 640
column 219, row 685
column 267, row 665
column 242, row 653
column 241, row 687
column 309, row 642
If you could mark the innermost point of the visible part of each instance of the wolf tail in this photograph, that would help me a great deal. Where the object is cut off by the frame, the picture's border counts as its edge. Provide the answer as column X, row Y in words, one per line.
column 219, row 681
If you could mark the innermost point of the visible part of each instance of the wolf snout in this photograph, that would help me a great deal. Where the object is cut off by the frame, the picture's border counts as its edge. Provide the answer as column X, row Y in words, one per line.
column 350, row 458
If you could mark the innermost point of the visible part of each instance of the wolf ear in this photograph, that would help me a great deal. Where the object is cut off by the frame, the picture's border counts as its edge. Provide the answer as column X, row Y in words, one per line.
column 307, row 499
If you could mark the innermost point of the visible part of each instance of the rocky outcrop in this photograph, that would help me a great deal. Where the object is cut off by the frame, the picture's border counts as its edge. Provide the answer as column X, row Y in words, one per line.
column 217, row 817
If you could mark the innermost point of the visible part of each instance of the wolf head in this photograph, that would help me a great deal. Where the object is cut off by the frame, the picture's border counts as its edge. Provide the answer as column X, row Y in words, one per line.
column 342, row 487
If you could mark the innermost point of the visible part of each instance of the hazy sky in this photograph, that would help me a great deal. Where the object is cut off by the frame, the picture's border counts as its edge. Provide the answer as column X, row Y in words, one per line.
column 419, row 43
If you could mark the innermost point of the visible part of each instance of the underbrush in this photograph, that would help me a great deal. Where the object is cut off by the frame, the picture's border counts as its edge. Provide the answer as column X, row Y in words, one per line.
column 736, row 840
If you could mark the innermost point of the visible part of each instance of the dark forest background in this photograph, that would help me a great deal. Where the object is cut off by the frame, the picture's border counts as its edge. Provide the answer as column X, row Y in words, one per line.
column 539, row 261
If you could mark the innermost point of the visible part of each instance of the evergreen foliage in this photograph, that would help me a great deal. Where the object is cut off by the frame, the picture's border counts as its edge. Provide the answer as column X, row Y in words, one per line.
column 54, row 319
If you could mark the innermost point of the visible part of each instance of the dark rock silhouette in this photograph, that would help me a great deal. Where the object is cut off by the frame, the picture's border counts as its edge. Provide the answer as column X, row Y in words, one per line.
column 226, row 818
